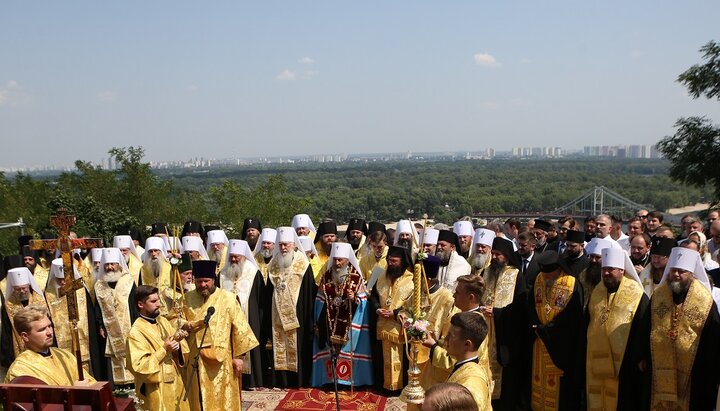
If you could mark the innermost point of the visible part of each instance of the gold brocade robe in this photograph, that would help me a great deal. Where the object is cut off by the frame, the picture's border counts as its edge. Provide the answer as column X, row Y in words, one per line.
column 134, row 267
column 116, row 318
column 611, row 318
column 498, row 294
column 158, row 376
column 587, row 287
column 60, row 368
column 438, row 315
column 442, row 363
column 363, row 249
column 223, row 257
column 474, row 377
column 241, row 288
column 285, row 323
column 545, row 374
column 322, row 259
column 262, row 266
column 647, row 280
column 392, row 295
column 369, row 263
column 12, row 306
column 673, row 349
column 63, row 330
column 161, row 282
column 41, row 275
column 228, row 337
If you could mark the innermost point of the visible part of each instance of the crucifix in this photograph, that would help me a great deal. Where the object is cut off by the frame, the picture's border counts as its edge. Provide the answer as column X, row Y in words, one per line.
column 62, row 221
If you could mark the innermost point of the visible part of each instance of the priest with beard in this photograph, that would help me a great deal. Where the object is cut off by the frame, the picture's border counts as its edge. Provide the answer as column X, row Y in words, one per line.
column 288, row 314
column 505, row 312
column 574, row 257
column 590, row 277
column 155, row 271
column 452, row 265
column 651, row 275
column 214, row 384
column 617, row 327
column 264, row 250
column 130, row 254
column 556, row 321
column 341, row 324
column 31, row 259
column 407, row 237
column 393, row 289
column 243, row 279
column 684, row 337
column 326, row 235
column 482, row 251
column 251, row 231
column 465, row 232
column 87, row 321
column 21, row 291
column 355, row 234
column 217, row 243
column 540, row 231
column 115, row 294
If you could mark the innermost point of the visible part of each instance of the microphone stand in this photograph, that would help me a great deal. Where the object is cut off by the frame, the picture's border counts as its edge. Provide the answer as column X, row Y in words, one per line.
column 196, row 370
column 334, row 358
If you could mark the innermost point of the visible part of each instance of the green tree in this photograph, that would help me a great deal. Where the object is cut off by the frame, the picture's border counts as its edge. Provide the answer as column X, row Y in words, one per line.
column 694, row 149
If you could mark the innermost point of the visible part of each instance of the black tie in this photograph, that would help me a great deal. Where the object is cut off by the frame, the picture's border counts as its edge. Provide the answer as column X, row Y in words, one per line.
column 524, row 265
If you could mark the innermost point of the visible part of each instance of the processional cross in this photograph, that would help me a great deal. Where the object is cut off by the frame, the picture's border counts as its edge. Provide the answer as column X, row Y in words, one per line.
column 62, row 221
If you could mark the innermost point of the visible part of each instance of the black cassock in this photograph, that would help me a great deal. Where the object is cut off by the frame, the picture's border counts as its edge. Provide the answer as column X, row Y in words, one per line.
column 304, row 311
column 565, row 342
column 376, row 345
column 255, row 314
column 514, row 353
column 575, row 266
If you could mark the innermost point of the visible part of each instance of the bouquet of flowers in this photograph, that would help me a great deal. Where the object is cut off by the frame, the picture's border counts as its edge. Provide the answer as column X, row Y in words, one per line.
column 416, row 328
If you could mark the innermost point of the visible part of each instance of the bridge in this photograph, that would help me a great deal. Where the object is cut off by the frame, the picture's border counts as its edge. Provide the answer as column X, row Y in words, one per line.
column 598, row 200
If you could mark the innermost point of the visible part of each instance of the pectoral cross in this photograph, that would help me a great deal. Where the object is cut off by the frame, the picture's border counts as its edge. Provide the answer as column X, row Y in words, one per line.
column 62, row 221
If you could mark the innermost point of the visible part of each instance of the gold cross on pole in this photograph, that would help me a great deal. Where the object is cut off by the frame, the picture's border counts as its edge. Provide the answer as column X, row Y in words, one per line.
column 62, row 221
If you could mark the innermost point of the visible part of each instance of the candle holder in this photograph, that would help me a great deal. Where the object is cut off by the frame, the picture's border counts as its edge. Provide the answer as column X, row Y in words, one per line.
column 413, row 393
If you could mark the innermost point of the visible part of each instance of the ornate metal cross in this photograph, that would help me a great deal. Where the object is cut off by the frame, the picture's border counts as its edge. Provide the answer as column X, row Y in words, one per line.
column 62, row 221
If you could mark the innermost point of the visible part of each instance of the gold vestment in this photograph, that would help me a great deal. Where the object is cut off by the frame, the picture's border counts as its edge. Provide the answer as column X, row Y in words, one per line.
column 114, row 306
column 392, row 295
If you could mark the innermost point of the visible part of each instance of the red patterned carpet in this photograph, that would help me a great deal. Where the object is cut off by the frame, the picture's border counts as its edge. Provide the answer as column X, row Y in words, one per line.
column 318, row 400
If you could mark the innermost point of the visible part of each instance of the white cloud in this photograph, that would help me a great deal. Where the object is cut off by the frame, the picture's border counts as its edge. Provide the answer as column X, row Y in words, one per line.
column 486, row 60
column 306, row 60
column 107, row 96
column 13, row 95
column 286, row 75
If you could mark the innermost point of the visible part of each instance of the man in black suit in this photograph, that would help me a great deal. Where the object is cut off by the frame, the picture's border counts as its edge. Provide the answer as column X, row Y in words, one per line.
column 529, row 268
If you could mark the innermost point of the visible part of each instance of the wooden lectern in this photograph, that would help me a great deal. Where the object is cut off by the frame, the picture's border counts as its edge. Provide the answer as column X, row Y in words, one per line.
column 35, row 397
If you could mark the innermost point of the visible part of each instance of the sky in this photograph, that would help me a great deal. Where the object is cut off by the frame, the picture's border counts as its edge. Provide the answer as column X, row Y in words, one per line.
column 227, row 79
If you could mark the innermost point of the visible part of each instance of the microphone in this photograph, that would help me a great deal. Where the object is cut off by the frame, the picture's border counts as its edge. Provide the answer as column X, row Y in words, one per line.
column 210, row 312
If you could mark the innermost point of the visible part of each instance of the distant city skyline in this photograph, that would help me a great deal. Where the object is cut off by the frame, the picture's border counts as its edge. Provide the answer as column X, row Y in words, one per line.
column 231, row 79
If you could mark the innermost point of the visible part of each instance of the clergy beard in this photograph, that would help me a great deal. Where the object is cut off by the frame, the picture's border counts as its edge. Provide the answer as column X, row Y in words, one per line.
column 354, row 242
column 611, row 284
column 657, row 274
column 541, row 243
column 479, row 261
column 465, row 248
column 405, row 244
column 285, row 260
column 444, row 256
column 189, row 286
column 153, row 265
column 233, row 271
column 593, row 273
column 266, row 252
column 678, row 287
column 112, row 276
column 217, row 256
column 572, row 256
column 207, row 292
column 327, row 248
column 394, row 272
column 340, row 273
column 127, row 258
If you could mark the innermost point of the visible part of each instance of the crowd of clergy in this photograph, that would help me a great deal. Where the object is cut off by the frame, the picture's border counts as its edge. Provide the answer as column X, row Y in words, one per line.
column 541, row 315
